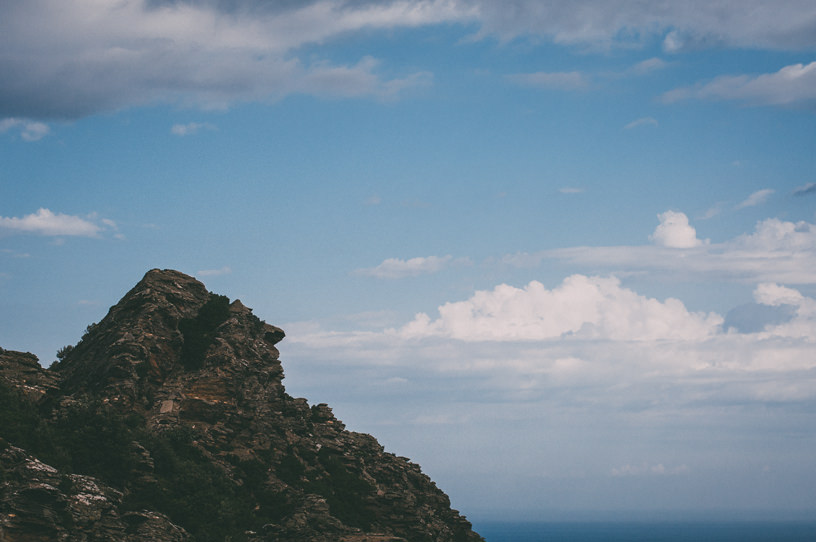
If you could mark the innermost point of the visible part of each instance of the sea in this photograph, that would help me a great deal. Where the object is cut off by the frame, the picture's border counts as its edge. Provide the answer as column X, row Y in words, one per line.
column 645, row 531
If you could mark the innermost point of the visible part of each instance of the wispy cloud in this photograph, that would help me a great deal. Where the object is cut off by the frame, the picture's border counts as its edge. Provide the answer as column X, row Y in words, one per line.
column 793, row 86
column 552, row 80
column 395, row 268
column 190, row 128
column 46, row 222
column 757, row 198
column 777, row 251
column 809, row 188
column 29, row 130
column 644, row 121
column 647, row 66
column 686, row 25
column 226, row 270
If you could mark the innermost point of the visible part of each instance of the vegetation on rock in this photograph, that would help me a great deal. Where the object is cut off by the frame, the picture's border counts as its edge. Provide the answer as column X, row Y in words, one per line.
column 169, row 420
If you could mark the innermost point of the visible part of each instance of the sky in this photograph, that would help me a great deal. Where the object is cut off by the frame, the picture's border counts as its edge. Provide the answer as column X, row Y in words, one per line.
column 560, row 254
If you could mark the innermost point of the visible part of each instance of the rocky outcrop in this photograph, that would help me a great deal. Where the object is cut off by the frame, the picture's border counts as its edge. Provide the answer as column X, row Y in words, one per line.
column 40, row 503
column 23, row 372
column 202, row 434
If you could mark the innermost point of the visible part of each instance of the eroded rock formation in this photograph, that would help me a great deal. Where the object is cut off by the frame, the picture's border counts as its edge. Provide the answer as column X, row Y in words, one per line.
column 170, row 418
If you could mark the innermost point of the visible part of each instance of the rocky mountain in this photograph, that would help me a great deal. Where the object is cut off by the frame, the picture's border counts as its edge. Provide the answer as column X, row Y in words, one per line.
column 169, row 421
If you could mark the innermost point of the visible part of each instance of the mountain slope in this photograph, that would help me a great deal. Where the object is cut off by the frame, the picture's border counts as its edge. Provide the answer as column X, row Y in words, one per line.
column 174, row 406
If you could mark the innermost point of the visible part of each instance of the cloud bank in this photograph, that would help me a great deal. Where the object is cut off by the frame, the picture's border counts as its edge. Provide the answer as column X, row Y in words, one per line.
column 776, row 251
column 87, row 57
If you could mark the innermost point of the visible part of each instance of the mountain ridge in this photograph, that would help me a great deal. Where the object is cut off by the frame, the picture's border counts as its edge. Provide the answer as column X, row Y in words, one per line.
column 173, row 408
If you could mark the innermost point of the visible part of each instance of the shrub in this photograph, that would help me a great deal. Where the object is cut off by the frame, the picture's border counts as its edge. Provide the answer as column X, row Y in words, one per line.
column 199, row 332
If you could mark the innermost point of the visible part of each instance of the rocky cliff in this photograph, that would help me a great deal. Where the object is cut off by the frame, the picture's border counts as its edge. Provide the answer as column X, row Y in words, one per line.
column 169, row 421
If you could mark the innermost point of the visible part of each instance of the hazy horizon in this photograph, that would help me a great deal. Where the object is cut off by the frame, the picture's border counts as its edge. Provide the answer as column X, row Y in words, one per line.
column 560, row 254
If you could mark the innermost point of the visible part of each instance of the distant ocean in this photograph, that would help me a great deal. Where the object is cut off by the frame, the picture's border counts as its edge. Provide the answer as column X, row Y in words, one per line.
column 662, row 531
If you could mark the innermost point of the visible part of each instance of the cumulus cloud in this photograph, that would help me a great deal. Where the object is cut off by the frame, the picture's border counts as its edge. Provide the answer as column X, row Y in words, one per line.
column 551, row 80
column 46, row 222
column 29, row 130
column 645, row 121
column 395, row 268
column 674, row 231
column 757, row 198
column 793, row 86
column 589, row 342
column 591, row 307
column 803, row 323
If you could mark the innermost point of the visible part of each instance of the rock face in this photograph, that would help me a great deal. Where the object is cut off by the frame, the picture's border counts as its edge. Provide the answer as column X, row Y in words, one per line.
column 169, row 421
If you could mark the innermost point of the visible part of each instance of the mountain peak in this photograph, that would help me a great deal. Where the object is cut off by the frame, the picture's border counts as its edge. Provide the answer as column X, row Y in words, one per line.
column 167, row 323
column 175, row 400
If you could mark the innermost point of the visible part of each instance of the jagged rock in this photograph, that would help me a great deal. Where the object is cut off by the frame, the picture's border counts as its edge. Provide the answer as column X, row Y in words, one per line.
column 23, row 371
column 39, row 503
column 196, row 425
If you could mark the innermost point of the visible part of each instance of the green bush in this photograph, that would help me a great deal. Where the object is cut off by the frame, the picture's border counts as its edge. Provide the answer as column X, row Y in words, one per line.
column 199, row 332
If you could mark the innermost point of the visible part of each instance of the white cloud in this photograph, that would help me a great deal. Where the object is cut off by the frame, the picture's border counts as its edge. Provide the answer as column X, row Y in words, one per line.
column 395, row 268
column 775, row 295
column 29, row 130
column 190, row 128
column 793, row 86
column 590, row 307
column 647, row 66
column 629, row 351
column 551, row 80
column 776, row 251
column 571, row 190
column 46, row 222
column 802, row 325
column 674, row 231
column 757, row 198
column 226, row 270
column 645, row 121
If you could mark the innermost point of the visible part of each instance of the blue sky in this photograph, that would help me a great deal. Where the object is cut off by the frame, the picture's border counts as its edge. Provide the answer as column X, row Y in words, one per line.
column 561, row 254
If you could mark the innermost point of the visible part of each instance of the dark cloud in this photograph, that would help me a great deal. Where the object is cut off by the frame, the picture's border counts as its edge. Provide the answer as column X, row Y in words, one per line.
column 64, row 59
column 809, row 188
